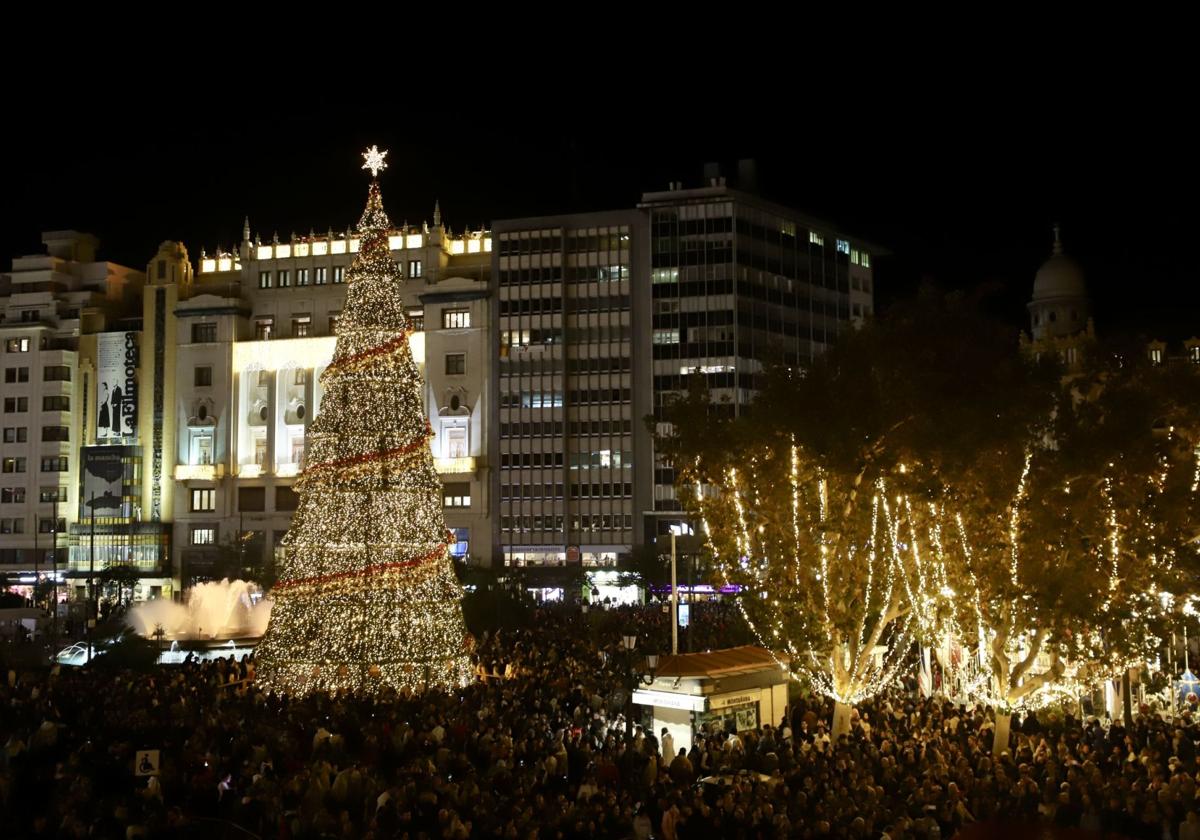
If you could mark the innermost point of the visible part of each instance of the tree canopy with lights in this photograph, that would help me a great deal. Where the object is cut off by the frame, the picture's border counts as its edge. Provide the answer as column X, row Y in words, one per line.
column 910, row 484
column 367, row 596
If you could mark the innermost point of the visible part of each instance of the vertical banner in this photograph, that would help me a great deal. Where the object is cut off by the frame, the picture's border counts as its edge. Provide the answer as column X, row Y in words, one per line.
column 102, row 492
column 116, row 386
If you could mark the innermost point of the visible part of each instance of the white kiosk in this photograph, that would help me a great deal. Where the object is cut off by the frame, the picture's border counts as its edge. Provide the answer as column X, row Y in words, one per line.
column 745, row 687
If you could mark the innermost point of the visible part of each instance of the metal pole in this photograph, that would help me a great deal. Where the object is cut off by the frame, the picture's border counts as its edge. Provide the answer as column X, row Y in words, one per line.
column 94, row 602
column 54, row 567
column 674, row 602
column 37, row 527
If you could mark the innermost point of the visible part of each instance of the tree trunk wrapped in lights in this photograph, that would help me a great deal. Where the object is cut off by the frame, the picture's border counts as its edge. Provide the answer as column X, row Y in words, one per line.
column 367, row 596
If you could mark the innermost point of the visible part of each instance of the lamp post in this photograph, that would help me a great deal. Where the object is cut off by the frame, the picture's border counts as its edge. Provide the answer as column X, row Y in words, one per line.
column 628, row 643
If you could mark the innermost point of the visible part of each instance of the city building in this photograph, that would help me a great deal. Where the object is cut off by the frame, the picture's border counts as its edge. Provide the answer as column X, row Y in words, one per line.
column 573, row 331
column 738, row 282
column 253, row 341
column 47, row 301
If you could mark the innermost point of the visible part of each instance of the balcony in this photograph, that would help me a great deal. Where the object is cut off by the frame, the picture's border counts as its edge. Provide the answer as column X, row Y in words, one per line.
column 455, row 466
column 199, row 472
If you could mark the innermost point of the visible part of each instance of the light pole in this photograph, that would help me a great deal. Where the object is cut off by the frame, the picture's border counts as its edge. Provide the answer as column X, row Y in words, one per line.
column 628, row 643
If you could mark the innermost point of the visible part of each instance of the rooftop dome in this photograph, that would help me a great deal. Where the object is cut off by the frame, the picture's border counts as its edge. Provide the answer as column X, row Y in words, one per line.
column 1059, row 277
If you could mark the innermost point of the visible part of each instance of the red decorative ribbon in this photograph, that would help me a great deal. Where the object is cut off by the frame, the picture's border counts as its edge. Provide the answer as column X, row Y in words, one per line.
column 379, row 350
column 368, row 457
column 374, row 569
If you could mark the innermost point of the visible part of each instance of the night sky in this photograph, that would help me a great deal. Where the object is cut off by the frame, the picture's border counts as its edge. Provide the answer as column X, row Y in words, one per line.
column 962, row 203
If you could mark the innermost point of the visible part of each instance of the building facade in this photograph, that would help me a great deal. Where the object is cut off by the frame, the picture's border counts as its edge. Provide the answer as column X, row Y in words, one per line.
column 253, row 342
column 572, row 330
column 737, row 282
column 47, row 302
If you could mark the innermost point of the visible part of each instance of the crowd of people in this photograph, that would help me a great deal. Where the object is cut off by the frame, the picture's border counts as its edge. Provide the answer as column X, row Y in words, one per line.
column 540, row 746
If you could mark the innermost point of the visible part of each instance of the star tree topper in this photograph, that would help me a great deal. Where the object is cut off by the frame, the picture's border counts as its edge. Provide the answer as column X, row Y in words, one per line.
column 374, row 160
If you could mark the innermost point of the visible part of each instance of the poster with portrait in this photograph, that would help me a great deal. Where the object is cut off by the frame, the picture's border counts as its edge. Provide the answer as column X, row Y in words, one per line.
column 103, row 477
column 116, row 386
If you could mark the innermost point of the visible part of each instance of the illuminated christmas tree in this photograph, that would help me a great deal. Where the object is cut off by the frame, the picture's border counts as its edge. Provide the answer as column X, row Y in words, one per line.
column 367, row 596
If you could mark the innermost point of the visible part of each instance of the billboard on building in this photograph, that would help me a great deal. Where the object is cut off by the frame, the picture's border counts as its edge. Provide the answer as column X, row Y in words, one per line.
column 103, row 472
column 116, row 386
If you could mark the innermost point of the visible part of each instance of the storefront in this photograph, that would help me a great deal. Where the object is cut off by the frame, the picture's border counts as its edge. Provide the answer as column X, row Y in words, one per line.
column 737, row 689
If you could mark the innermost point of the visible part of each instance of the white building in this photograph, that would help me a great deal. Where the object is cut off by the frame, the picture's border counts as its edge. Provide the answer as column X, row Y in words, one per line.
column 46, row 301
column 253, row 342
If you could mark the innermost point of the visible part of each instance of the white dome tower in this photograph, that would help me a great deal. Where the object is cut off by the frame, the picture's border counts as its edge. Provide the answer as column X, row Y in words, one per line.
column 1060, row 305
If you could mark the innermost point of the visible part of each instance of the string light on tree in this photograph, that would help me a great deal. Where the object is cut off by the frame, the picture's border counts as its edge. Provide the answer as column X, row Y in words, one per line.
column 367, row 597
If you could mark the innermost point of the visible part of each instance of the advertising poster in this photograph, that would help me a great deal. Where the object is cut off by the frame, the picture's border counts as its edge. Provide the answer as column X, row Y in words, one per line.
column 103, row 472
column 116, row 386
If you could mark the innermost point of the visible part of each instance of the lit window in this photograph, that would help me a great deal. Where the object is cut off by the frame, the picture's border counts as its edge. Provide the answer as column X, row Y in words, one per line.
column 318, row 276
column 456, row 319
column 456, row 494
column 855, row 259
column 1156, row 355
column 204, row 500
column 815, row 238
column 204, row 535
column 670, row 336
column 866, row 260
column 262, row 329
column 462, row 542
column 264, row 279
column 17, row 345
column 339, row 274
column 843, row 246
column 414, row 268
column 301, row 276
column 416, row 318
column 301, row 324
column 285, row 278
column 1194, row 354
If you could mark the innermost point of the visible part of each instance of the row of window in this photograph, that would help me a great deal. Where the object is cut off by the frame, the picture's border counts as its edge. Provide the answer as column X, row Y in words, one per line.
column 547, row 428
column 282, row 279
column 592, row 522
column 554, row 490
column 574, row 335
column 53, row 463
column 612, row 238
column 17, row 345
column 50, row 373
column 45, row 525
column 20, row 434
column 570, row 273
column 510, row 366
column 511, row 460
column 16, row 495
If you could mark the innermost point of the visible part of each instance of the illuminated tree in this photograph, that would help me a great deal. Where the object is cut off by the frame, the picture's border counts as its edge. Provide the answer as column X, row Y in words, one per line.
column 367, row 595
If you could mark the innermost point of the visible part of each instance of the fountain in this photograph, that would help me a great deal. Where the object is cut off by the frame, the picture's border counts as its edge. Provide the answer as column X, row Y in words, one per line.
column 219, row 610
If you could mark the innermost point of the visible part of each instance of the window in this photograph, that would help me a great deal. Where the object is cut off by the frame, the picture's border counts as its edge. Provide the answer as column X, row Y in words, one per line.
column 333, row 319
column 456, row 494
column 456, row 364
column 252, row 499
column 286, row 498
column 202, row 376
column 456, row 440
column 55, row 463
column 52, row 494
column 200, row 447
column 20, row 374
column 843, row 247
column 285, row 279
column 456, row 319
column 56, row 433
column 30, row 316
column 416, row 318
column 866, row 261
column 16, row 405
column 670, row 336
column 1194, row 354
column 301, row 324
column 12, row 526
column 339, row 274
column 262, row 329
column 205, row 333
column 47, row 526
column 16, row 434
column 414, row 268
column 318, row 276
column 56, row 403
column 816, row 238
column 14, row 465
column 56, row 373
column 300, row 377
column 1156, row 356
column 264, row 279
column 301, row 276
column 204, row 535
column 12, row 495
column 204, row 500
column 17, row 345
column 462, row 542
